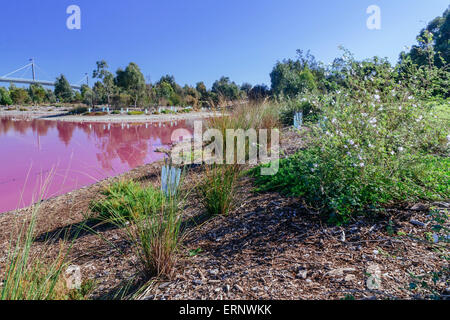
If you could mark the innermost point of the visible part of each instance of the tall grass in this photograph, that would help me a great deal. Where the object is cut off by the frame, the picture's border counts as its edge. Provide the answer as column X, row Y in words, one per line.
column 217, row 189
column 251, row 115
column 27, row 276
column 30, row 273
column 150, row 220
column 125, row 200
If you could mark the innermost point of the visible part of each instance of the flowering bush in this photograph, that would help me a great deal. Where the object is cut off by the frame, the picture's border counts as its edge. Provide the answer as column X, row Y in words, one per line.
column 374, row 143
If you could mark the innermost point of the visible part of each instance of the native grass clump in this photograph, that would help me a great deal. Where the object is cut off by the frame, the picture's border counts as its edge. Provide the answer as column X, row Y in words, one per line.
column 150, row 220
column 30, row 274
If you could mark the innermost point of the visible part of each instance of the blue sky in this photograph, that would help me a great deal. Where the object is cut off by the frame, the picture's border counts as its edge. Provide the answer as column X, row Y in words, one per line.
column 201, row 40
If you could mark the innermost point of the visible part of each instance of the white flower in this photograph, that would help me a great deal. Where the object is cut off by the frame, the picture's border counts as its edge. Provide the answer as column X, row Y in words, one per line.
column 361, row 164
column 400, row 149
column 377, row 97
column 351, row 142
column 400, row 108
column 364, row 114
column 392, row 152
column 373, row 120
column 370, row 145
column 315, row 165
column 419, row 119
column 410, row 97
column 334, row 120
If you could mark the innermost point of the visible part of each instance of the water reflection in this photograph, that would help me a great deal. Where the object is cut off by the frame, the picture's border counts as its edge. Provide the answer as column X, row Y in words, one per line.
column 82, row 153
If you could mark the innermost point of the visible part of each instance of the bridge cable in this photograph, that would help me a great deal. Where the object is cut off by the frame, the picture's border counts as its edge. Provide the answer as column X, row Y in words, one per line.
column 83, row 79
column 24, row 72
column 6, row 75
column 43, row 71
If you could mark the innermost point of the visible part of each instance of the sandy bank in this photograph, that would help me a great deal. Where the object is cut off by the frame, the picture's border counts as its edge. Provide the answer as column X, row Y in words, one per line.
column 60, row 115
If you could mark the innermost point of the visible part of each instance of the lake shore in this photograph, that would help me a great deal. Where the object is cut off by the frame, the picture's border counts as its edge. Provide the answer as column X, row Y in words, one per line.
column 58, row 114
column 270, row 246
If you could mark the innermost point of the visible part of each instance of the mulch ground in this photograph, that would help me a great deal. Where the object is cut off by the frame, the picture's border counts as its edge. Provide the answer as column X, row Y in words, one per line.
column 269, row 247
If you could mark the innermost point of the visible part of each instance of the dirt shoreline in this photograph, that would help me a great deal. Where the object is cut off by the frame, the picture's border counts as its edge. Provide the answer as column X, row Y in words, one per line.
column 60, row 115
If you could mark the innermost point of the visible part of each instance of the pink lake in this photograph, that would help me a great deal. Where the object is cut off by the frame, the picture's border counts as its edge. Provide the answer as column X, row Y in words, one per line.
column 73, row 154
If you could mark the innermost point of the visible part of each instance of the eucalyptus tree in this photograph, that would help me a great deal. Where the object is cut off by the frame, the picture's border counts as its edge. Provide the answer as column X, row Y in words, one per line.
column 107, row 78
column 132, row 81
column 226, row 89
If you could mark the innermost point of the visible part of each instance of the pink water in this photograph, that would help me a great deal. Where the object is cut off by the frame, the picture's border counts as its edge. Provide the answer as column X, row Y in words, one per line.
column 72, row 154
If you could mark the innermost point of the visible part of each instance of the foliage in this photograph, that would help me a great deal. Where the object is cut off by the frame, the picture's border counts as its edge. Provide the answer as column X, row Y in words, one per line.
column 150, row 220
column 308, row 105
column 78, row 110
column 5, row 98
column 258, row 93
column 29, row 275
column 127, row 199
column 63, row 91
column 37, row 93
column 132, row 80
column 293, row 77
column 375, row 143
column 18, row 95
column 439, row 30
column 107, row 79
column 217, row 190
column 226, row 89
column 135, row 113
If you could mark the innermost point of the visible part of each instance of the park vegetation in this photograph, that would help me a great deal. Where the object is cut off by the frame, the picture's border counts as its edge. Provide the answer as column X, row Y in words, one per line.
column 377, row 136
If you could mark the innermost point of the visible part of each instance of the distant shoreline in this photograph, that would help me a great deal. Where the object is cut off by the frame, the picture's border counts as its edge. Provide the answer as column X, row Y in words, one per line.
column 45, row 113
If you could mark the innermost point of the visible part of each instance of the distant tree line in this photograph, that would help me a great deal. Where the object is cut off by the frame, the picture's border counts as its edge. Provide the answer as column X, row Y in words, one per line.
column 289, row 78
column 429, row 59
column 127, row 87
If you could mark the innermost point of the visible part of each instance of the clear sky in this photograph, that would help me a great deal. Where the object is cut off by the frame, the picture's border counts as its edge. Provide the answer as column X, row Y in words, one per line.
column 201, row 39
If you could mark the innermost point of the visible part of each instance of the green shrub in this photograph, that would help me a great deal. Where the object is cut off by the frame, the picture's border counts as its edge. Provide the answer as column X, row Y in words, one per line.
column 374, row 144
column 135, row 113
column 79, row 110
column 294, row 105
column 5, row 98
column 167, row 111
column 95, row 114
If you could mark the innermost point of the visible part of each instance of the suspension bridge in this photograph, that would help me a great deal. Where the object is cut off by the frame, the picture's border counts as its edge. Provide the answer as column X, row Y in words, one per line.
column 33, row 66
